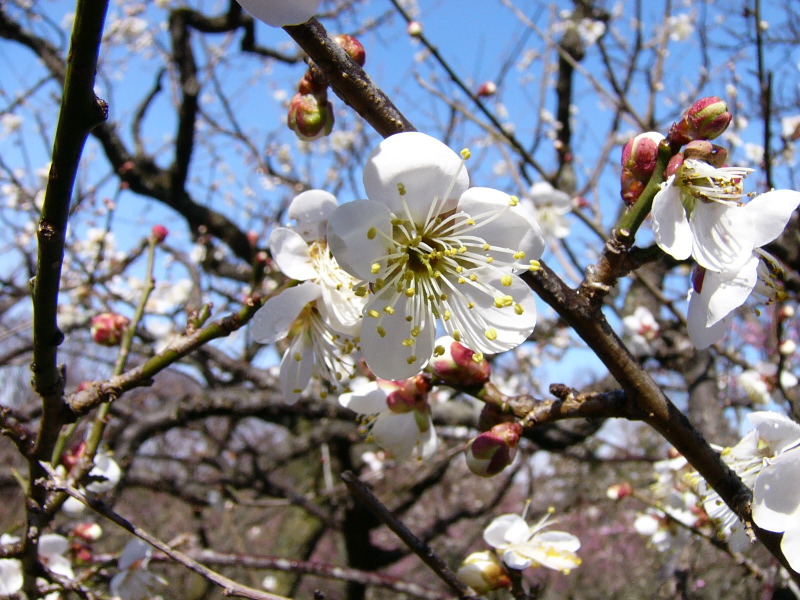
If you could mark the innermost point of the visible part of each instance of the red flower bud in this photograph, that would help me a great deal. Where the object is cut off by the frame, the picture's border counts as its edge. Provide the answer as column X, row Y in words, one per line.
column 353, row 47
column 107, row 328
column 639, row 157
column 159, row 233
column 310, row 116
column 488, row 88
column 456, row 364
column 706, row 119
column 493, row 450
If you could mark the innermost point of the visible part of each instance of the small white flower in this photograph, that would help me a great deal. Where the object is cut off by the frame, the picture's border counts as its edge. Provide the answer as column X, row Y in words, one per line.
column 52, row 548
column 105, row 474
column 522, row 546
column 698, row 212
column 549, row 207
column 280, row 13
column 640, row 328
column 397, row 416
column 134, row 581
column 433, row 249
column 10, row 576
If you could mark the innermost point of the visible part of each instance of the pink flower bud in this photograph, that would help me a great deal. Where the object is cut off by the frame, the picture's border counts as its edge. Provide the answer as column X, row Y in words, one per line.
column 310, row 116
column 673, row 165
column 309, row 84
column 483, row 572
column 159, row 233
column 107, row 328
column 414, row 29
column 71, row 457
column 618, row 491
column 639, row 157
column 493, row 450
column 706, row 119
column 456, row 364
column 488, row 88
column 353, row 47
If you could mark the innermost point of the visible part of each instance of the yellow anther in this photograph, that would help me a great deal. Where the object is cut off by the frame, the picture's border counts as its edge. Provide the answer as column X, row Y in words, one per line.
column 470, row 305
column 477, row 357
column 375, row 268
column 415, row 331
column 518, row 309
column 485, row 246
column 446, row 315
column 513, row 201
column 438, row 351
column 473, row 277
column 371, row 233
column 374, row 313
column 491, row 334
column 408, row 342
column 297, row 356
column 462, row 280
column 409, row 292
column 466, row 154
column 462, row 249
column 411, row 359
column 519, row 255
column 506, row 280
column 535, row 265
column 459, row 268
column 360, row 292
column 457, row 335
column 409, row 318
column 490, row 259
column 401, row 189
column 389, row 310
column 381, row 331
column 470, row 221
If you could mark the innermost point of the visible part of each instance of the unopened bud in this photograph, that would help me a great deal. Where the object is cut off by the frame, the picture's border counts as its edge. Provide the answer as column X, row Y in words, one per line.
column 456, row 364
column 707, row 152
column 618, row 491
column 353, row 47
column 88, row 531
column 787, row 347
column 483, row 572
column 706, row 119
column 414, row 29
column 71, row 457
column 107, row 328
column 493, row 450
column 159, row 233
column 673, row 165
column 487, row 88
column 639, row 157
column 312, row 84
column 310, row 116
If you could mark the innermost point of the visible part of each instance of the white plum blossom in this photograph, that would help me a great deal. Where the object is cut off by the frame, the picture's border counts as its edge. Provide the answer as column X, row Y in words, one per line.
column 521, row 546
column 715, row 295
column 432, row 249
column 105, row 474
column 639, row 329
column 549, row 207
column 10, row 576
column 396, row 415
column 698, row 212
column 323, row 313
column 52, row 549
column 280, row 13
column 134, row 581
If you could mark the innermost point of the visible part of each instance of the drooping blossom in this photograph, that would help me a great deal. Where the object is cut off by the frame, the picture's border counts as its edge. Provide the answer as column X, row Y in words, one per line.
column 549, row 207
column 280, row 13
column 767, row 459
column 433, row 249
column 715, row 295
column 698, row 212
column 521, row 546
column 396, row 415
column 322, row 314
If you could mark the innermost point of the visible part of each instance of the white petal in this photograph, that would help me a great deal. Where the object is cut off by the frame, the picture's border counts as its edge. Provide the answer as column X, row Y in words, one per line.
column 769, row 213
column 290, row 252
column 365, row 399
column 52, row 544
column 310, row 211
column 297, row 367
column 561, row 540
column 396, row 433
column 701, row 334
column 514, row 560
column 776, row 503
column 348, row 239
column 428, row 442
column 515, row 228
column 790, row 546
column 509, row 326
column 722, row 237
column 724, row 292
column 279, row 13
column 383, row 349
column 670, row 225
column 425, row 167
column 108, row 472
column 506, row 529
column 10, row 576
column 134, row 551
column 273, row 320
column 779, row 431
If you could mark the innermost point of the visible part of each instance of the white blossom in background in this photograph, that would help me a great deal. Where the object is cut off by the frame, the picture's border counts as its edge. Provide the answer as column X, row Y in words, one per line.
column 134, row 581
column 322, row 314
column 521, row 546
column 105, row 474
column 395, row 415
column 549, row 208
column 715, row 295
column 10, row 570
column 9, row 123
column 52, row 551
column 280, row 13
column 639, row 330
column 760, row 382
column 433, row 249
column 680, row 27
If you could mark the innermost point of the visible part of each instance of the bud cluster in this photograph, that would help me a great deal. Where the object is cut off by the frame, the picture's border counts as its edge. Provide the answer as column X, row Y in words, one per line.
column 310, row 113
column 107, row 328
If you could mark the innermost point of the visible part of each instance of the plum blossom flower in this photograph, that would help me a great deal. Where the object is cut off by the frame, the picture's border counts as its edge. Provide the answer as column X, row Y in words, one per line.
column 431, row 248
column 640, row 328
column 549, row 207
column 715, row 295
column 321, row 314
column 397, row 416
column 522, row 546
column 280, row 13
column 698, row 212
column 134, row 581
column 10, row 576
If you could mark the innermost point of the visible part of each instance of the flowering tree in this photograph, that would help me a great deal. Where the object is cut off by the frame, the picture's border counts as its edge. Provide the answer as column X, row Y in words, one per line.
column 289, row 332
